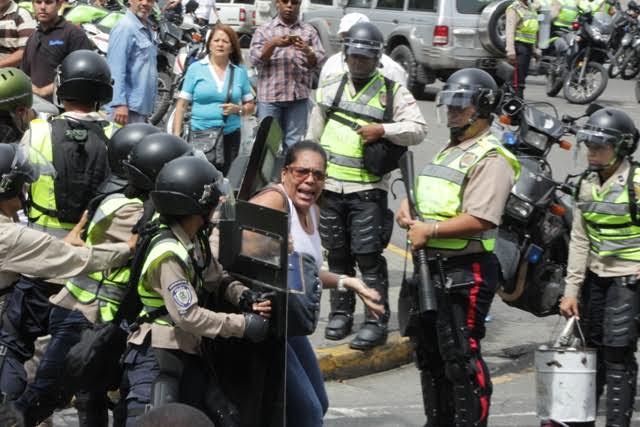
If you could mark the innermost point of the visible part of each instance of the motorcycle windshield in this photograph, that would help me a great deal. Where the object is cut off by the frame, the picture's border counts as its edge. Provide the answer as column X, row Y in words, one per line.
column 603, row 22
column 534, row 185
column 544, row 122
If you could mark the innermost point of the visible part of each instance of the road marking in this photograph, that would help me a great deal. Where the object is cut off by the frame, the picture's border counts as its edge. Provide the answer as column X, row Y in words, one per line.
column 367, row 411
column 398, row 251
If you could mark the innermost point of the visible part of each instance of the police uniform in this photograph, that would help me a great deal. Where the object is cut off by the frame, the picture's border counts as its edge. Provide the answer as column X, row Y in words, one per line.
column 23, row 250
column 594, row 6
column 604, row 254
column 355, row 224
column 86, row 299
column 568, row 14
column 522, row 36
column 169, row 280
column 473, row 177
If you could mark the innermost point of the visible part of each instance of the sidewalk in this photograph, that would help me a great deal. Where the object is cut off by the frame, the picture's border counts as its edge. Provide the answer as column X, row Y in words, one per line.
column 512, row 336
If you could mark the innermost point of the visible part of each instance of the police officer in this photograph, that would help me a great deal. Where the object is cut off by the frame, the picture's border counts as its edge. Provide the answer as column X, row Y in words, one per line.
column 567, row 15
column 90, row 298
column 162, row 363
column 16, row 99
column 595, row 6
column 603, row 256
column 28, row 251
column 522, row 35
column 460, row 198
column 355, row 224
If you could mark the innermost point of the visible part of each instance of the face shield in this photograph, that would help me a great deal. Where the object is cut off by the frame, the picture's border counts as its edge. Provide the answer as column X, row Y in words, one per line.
column 362, row 57
column 595, row 138
column 453, row 100
column 27, row 165
column 225, row 205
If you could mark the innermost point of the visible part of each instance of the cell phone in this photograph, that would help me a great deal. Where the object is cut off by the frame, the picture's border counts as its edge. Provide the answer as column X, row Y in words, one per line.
column 294, row 38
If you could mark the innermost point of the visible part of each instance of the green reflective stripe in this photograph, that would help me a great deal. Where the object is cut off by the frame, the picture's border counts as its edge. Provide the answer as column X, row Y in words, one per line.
column 444, row 172
column 604, row 208
column 86, row 290
column 359, row 109
column 612, row 245
column 350, row 162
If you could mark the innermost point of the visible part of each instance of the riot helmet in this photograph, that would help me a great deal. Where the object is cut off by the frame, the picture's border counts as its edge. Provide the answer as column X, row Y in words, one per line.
column 362, row 48
column 15, row 89
column 16, row 169
column 123, row 141
column 469, row 87
column 84, row 76
column 149, row 156
column 609, row 127
column 189, row 186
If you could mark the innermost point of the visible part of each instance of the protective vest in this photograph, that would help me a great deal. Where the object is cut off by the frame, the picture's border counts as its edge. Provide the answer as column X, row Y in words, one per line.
column 165, row 245
column 607, row 214
column 52, row 199
column 109, row 289
column 568, row 13
column 440, row 187
column 594, row 6
column 344, row 147
column 527, row 29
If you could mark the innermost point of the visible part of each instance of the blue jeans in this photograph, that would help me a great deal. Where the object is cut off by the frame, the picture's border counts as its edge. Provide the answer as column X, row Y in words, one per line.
column 307, row 400
column 292, row 116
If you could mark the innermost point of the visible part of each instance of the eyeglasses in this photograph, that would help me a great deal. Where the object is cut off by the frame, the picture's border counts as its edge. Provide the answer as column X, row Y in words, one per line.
column 301, row 173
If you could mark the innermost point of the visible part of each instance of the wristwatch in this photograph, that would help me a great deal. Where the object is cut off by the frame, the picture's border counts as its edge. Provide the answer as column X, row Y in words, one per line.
column 341, row 280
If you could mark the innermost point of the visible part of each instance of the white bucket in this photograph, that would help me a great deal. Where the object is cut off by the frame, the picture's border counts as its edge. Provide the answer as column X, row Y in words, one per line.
column 566, row 384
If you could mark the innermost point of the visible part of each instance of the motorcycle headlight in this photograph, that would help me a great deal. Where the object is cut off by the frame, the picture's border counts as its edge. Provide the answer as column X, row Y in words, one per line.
column 518, row 208
column 536, row 139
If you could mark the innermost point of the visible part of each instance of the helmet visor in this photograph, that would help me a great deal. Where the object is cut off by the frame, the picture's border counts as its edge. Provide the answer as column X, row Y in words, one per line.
column 366, row 48
column 598, row 137
column 225, row 205
column 459, row 98
column 27, row 165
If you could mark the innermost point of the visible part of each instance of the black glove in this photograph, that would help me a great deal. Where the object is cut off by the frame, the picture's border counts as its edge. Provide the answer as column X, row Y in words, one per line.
column 256, row 327
column 247, row 299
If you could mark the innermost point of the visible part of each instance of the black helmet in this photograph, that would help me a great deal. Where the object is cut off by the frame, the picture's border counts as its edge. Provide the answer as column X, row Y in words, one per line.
column 150, row 155
column 15, row 170
column 364, row 39
column 123, row 141
column 187, row 186
column 470, row 87
column 610, row 126
column 84, row 76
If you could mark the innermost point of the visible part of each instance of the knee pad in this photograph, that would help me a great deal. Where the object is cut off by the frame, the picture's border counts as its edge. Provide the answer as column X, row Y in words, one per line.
column 618, row 355
column 340, row 261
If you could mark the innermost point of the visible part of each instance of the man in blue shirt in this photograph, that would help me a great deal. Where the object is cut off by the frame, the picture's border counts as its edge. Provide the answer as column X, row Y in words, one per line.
column 132, row 59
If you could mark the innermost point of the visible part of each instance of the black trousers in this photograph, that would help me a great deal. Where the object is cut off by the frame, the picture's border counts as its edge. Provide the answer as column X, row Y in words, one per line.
column 524, row 52
column 231, row 148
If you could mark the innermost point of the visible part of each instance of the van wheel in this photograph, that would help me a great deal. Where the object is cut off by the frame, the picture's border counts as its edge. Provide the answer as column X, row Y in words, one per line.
column 492, row 27
column 402, row 55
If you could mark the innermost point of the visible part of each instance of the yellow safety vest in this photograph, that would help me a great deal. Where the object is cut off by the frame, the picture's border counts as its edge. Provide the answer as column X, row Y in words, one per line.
column 42, row 191
column 108, row 289
column 568, row 13
column 342, row 143
column 609, row 225
column 440, row 187
column 527, row 30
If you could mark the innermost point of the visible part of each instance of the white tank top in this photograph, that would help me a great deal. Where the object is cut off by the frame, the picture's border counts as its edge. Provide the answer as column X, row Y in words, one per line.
column 304, row 242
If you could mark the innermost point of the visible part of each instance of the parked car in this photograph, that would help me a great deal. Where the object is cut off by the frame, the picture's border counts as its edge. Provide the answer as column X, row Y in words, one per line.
column 430, row 38
column 238, row 14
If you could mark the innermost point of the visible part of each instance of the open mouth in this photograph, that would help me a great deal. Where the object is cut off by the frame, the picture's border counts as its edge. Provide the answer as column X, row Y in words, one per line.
column 306, row 195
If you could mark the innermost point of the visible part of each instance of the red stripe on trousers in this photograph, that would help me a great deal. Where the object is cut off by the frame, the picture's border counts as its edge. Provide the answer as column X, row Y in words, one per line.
column 473, row 344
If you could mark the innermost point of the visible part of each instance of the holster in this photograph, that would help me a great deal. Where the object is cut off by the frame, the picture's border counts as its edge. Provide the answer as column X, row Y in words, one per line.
column 166, row 387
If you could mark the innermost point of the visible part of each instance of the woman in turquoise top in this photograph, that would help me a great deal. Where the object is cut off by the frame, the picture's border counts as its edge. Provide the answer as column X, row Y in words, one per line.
column 206, row 87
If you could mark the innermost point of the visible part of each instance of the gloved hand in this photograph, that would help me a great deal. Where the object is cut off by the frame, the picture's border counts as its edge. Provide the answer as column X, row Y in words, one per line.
column 247, row 299
column 256, row 327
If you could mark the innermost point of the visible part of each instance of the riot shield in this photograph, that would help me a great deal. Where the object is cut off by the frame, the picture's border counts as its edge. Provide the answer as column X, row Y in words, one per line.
column 251, row 375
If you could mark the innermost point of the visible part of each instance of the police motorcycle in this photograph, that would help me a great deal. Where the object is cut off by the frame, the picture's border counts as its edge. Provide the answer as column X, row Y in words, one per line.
column 533, row 240
column 625, row 42
column 586, row 77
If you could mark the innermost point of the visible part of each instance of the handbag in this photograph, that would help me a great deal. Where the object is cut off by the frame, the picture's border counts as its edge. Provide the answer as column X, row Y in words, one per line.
column 211, row 141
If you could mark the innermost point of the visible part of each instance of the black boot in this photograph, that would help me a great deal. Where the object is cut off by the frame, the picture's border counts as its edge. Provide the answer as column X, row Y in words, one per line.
column 621, row 391
column 341, row 316
column 437, row 400
column 374, row 331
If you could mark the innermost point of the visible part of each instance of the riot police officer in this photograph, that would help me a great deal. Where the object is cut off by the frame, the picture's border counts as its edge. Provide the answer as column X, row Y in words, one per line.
column 460, row 198
column 355, row 109
column 522, row 36
column 603, row 256
column 162, row 363
column 16, row 99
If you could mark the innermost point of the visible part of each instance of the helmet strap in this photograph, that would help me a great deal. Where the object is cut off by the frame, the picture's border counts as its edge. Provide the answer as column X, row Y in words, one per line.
column 457, row 133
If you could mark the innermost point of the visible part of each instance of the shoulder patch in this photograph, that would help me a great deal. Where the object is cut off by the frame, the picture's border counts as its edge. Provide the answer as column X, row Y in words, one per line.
column 182, row 295
column 467, row 160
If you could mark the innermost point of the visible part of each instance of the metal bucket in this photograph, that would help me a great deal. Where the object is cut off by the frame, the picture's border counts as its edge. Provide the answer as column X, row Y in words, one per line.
column 566, row 384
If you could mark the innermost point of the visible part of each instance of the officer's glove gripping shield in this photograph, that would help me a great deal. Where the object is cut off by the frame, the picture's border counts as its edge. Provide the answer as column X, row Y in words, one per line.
column 256, row 327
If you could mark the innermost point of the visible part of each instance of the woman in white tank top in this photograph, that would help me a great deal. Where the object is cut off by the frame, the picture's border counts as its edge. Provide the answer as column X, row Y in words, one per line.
column 302, row 181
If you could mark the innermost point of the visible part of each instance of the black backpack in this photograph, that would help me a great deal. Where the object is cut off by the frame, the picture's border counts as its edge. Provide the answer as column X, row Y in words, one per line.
column 79, row 149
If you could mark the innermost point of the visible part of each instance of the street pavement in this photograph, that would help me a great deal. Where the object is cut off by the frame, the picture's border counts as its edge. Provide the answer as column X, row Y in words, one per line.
column 393, row 398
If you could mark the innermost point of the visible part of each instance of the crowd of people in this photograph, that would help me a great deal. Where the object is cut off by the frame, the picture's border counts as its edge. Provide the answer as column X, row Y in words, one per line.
column 119, row 211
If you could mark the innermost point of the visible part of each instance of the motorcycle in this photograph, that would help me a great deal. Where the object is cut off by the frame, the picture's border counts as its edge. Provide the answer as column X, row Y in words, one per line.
column 625, row 61
column 588, row 51
column 557, row 69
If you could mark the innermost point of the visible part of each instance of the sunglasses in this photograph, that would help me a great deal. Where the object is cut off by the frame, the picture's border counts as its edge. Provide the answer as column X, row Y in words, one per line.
column 301, row 173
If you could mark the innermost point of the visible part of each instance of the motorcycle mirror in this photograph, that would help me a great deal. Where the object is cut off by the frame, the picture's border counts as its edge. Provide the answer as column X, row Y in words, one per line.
column 191, row 6
column 568, row 119
column 592, row 108
column 567, row 188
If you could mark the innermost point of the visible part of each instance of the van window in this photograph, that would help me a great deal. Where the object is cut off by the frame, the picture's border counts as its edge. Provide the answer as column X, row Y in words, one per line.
column 360, row 3
column 390, row 4
column 472, row 6
column 429, row 5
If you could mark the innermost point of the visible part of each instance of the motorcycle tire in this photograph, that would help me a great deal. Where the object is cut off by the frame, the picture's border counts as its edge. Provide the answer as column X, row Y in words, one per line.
column 554, row 84
column 163, row 98
column 592, row 95
column 629, row 67
column 614, row 67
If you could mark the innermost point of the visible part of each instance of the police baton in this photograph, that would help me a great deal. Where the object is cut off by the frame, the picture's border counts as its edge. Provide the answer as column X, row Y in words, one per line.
column 426, row 293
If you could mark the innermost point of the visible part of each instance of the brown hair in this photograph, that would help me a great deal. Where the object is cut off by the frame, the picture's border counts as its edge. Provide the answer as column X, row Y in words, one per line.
column 236, row 54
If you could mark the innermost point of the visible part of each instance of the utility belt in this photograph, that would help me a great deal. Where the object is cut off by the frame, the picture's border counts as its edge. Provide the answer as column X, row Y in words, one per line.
column 628, row 281
column 455, row 273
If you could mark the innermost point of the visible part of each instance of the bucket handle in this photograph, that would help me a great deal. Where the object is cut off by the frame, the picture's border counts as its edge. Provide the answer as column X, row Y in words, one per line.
column 584, row 342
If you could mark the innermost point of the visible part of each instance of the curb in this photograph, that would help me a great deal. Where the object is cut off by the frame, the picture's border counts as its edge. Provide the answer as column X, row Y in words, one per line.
column 342, row 362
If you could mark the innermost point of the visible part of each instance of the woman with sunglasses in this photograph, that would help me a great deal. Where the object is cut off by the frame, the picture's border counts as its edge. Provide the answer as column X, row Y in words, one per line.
column 302, row 181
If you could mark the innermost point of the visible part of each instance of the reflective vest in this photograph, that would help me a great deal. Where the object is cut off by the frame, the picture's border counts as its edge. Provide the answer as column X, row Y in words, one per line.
column 342, row 143
column 608, row 220
column 568, row 13
column 440, row 187
column 527, row 29
column 594, row 6
column 108, row 289
column 42, row 191
column 163, row 246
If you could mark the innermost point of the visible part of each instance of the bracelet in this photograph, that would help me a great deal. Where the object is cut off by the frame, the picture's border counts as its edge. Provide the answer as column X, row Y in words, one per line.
column 341, row 280
column 435, row 230
column 241, row 110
